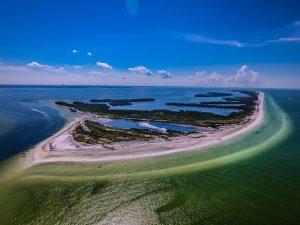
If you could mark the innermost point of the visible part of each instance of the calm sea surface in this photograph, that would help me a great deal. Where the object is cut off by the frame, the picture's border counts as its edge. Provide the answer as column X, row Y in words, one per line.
column 253, row 179
column 25, row 118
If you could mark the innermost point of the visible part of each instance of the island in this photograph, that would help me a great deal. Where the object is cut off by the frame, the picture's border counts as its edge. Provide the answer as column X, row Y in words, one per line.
column 205, row 105
column 123, row 100
column 214, row 94
column 119, row 103
column 85, row 139
column 245, row 103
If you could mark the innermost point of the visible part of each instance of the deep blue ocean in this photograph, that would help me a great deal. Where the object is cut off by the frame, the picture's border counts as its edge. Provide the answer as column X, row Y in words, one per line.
column 26, row 119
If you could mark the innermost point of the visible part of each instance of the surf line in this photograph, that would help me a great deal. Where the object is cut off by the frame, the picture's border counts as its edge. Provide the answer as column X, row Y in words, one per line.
column 41, row 112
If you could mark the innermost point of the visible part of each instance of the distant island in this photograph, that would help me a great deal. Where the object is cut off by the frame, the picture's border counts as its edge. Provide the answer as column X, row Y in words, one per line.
column 214, row 94
column 245, row 104
column 123, row 100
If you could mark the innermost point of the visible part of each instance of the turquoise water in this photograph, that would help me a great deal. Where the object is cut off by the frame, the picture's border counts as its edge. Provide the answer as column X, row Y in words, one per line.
column 253, row 179
column 26, row 119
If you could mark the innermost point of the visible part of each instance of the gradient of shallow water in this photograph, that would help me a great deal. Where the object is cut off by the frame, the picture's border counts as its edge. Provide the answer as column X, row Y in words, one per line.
column 253, row 179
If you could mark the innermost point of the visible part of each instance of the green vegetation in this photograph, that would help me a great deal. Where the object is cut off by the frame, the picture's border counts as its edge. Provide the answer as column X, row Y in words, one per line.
column 84, row 107
column 120, row 103
column 181, row 117
column 245, row 99
column 203, row 105
column 100, row 134
column 221, row 103
column 123, row 100
column 246, row 103
column 168, row 116
column 214, row 94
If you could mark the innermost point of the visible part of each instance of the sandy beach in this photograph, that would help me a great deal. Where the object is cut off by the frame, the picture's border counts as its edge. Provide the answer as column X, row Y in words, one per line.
column 61, row 146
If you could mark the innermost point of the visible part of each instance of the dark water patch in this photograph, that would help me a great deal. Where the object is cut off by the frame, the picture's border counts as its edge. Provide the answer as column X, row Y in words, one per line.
column 31, row 126
column 178, row 200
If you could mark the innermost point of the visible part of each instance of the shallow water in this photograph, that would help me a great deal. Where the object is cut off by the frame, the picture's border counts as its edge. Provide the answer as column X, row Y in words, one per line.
column 26, row 118
column 253, row 179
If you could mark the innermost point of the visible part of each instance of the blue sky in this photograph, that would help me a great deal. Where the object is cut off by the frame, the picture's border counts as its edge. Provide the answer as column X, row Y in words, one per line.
column 135, row 42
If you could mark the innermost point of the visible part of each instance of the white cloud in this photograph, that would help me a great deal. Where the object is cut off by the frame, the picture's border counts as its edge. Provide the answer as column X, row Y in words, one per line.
column 89, row 53
column 200, row 74
column 75, row 51
column 38, row 65
column 165, row 74
column 141, row 69
column 211, row 78
column 285, row 39
column 203, row 39
column 244, row 75
column 103, row 65
column 45, row 67
column 287, row 34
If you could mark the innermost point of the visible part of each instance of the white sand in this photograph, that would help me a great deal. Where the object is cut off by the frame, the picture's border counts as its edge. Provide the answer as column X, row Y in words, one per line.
column 61, row 147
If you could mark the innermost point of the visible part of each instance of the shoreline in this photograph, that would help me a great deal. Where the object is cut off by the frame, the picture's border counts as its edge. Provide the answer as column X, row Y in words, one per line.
column 70, row 151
